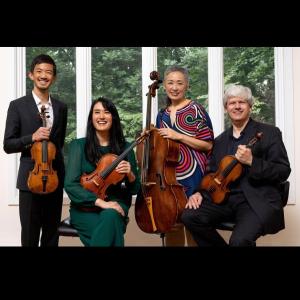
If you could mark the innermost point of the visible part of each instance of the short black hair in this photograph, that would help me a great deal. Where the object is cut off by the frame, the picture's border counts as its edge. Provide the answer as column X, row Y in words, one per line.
column 43, row 58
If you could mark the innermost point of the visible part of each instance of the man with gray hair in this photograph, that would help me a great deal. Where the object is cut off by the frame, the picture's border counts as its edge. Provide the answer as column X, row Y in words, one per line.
column 254, row 201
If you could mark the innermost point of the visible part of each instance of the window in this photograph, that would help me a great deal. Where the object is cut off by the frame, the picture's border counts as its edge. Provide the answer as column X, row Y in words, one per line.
column 64, row 86
column 254, row 68
column 195, row 60
column 122, row 74
column 117, row 75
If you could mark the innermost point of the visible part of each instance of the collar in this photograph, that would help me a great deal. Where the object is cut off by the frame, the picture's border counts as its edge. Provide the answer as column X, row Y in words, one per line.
column 249, row 123
column 38, row 101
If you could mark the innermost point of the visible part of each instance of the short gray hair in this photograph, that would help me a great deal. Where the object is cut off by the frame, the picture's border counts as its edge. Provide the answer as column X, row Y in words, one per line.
column 182, row 70
column 235, row 90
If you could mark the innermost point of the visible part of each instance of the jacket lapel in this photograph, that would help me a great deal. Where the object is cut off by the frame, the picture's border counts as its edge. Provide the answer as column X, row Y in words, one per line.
column 34, row 111
column 55, row 107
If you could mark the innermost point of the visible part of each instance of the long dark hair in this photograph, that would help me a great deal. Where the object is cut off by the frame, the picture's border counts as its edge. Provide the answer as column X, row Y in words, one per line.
column 116, row 136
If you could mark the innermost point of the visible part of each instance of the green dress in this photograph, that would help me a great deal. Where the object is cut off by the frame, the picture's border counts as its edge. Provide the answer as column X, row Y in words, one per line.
column 107, row 227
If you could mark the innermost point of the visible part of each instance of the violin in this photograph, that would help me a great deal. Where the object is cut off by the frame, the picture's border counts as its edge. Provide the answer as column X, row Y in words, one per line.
column 43, row 179
column 105, row 174
column 229, row 170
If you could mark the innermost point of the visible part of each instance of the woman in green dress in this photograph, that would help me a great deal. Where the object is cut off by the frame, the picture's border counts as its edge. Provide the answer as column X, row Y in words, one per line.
column 100, row 222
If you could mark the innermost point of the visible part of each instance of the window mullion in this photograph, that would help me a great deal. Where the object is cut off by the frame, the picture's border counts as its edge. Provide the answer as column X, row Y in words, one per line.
column 149, row 64
column 216, row 88
column 284, row 107
column 83, row 88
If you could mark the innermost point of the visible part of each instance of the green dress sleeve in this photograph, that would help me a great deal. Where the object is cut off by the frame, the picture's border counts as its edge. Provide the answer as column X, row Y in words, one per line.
column 76, row 166
column 134, row 186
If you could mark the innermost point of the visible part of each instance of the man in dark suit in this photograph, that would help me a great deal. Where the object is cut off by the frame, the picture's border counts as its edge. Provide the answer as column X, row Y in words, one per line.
column 40, row 214
column 254, row 201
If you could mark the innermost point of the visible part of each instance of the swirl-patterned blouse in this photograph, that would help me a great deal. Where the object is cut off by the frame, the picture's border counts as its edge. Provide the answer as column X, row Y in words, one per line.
column 191, row 120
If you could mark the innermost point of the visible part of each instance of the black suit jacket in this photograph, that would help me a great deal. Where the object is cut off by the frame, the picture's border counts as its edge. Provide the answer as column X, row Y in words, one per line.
column 22, row 121
column 260, row 182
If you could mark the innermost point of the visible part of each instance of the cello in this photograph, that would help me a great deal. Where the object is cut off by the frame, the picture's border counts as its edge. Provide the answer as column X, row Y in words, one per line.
column 161, row 200
column 229, row 170
column 43, row 179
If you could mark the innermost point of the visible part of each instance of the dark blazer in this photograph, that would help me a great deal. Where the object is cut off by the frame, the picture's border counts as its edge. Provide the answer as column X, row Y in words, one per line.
column 260, row 182
column 22, row 121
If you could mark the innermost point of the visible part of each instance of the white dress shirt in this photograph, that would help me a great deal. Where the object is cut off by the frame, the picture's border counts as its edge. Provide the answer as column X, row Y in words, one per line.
column 49, row 109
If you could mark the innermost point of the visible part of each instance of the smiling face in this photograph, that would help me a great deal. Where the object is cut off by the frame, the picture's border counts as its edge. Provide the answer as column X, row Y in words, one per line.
column 42, row 76
column 238, row 109
column 102, row 118
column 176, row 85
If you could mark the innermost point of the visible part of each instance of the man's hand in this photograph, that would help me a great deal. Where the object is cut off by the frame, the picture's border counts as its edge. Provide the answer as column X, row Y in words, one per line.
column 244, row 155
column 41, row 134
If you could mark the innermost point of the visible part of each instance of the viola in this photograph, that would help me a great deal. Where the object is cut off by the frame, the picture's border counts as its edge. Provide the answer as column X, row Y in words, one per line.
column 162, row 199
column 105, row 174
column 229, row 170
column 43, row 179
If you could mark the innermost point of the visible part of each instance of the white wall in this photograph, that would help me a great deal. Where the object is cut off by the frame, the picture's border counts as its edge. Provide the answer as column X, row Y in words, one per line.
column 9, row 215
column 290, row 236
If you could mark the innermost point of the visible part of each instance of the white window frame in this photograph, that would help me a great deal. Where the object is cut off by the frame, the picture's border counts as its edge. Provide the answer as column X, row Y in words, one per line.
column 284, row 101
column 284, row 108
column 283, row 95
column 83, row 88
column 19, row 74
column 149, row 64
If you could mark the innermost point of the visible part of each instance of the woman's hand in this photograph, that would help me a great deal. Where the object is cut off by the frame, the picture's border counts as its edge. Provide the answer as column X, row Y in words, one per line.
column 110, row 204
column 199, row 145
column 124, row 167
column 194, row 201
column 169, row 133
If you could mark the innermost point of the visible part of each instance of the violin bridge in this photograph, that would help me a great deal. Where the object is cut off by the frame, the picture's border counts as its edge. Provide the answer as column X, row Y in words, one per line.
column 96, row 183
column 217, row 181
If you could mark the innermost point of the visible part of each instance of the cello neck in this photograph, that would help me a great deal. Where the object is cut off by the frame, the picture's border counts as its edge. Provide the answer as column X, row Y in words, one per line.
column 151, row 94
column 149, row 109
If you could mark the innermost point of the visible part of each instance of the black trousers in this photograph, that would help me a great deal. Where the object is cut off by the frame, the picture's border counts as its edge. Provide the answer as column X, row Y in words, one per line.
column 40, row 216
column 201, row 222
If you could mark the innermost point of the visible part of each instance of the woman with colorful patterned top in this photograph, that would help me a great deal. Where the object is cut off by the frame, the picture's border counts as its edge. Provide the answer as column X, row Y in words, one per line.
column 186, row 122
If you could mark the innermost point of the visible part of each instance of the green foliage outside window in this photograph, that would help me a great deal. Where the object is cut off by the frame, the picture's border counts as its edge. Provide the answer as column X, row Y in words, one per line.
column 192, row 58
column 254, row 68
column 64, row 88
column 117, row 75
